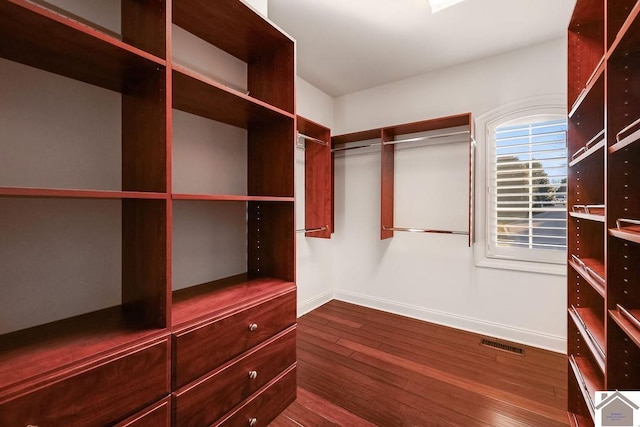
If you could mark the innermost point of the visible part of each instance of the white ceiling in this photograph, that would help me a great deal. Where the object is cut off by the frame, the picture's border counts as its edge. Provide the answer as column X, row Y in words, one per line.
column 349, row 45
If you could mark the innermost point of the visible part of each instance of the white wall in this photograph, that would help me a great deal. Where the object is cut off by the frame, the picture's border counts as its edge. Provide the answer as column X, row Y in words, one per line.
column 259, row 6
column 313, row 256
column 434, row 277
column 64, row 252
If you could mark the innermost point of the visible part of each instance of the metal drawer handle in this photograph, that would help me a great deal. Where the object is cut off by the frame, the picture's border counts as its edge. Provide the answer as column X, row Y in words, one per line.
column 253, row 422
column 253, row 327
column 253, row 375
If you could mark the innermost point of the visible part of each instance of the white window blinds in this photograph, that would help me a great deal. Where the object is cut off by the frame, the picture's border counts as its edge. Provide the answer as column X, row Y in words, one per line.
column 528, row 191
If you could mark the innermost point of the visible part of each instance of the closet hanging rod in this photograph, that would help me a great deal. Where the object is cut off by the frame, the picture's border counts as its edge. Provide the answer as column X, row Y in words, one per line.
column 312, row 230
column 373, row 144
column 423, row 230
column 427, row 137
column 400, row 141
column 312, row 139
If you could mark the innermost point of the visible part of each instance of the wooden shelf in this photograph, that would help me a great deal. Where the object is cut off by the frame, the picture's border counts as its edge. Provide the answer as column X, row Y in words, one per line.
column 591, row 328
column 74, row 354
column 628, row 37
column 390, row 136
column 406, row 128
column 589, row 380
column 33, row 352
column 590, row 153
column 40, row 38
column 78, row 194
column 252, row 34
column 586, row 42
column 626, row 142
column 588, row 98
column 617, row 14
column 594, row 324
column 588, row 12
column 627, row 326
column 230, row 198
column 576, row 420
column 222, row 296
column 202, row 96
column 606, row 174
column 239, row 31
column 625, row 235
column 597, row 267
column 588, row 217
column 356, row 136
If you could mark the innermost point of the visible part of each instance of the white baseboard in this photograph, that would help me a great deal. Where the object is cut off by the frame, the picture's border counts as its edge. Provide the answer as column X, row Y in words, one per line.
column 523, row 336
column 313, row 303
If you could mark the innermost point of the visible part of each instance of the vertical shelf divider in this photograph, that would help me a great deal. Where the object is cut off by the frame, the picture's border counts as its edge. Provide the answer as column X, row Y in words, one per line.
column 315, row 139
column 387, row 185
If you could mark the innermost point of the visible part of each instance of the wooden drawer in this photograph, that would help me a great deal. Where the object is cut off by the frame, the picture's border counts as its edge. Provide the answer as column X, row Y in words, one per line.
column 156, row 415
column 265, row 405
column 204, row 347
column 204, row 401
column 96, row 395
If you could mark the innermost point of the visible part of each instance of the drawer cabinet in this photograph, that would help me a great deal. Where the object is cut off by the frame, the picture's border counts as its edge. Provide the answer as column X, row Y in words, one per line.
column 156, row 415
column 265, row 405
column 98, row 395
column 204, row 347
column 235, row 381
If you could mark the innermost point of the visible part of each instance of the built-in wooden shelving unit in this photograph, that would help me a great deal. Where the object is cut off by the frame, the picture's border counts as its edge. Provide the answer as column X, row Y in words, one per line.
column 604, row 244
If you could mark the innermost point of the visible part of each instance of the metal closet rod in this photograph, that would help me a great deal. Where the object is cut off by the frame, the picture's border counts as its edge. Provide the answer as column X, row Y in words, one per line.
column 312, row 139
column 401, row 141
column 422, row 138
column 424, row 230
column 312, row 230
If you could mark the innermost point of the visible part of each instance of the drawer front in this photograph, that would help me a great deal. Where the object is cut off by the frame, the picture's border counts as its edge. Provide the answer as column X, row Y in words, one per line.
column 98, row 395
column 156, row 415
column 206, row 400
column 201, row 349
column 266, row 405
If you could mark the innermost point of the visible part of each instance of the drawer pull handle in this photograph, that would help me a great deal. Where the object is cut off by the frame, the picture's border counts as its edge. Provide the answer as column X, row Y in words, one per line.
column 253, row 327
column 253, row 375
column 253, row 422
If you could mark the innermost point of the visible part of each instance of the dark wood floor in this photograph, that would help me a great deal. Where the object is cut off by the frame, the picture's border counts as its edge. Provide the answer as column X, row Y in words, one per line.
column 362, row 367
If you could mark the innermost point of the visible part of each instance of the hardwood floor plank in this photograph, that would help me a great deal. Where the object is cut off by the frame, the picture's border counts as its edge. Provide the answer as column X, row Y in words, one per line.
column 532, row 389
column 378, row 373
column 467, row 360
column 548, row 361
column 330, row 411
column 304, row 329
column 464, row 361
column 340, row 331
column 334, row 347
column 338, row 319
column 301, row 415
column 546, row 367
column 374, row 400
column 462, row 382
column 361, row 367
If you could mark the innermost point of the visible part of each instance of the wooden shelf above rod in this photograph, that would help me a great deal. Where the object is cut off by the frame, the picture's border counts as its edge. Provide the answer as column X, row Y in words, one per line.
column 389, row 137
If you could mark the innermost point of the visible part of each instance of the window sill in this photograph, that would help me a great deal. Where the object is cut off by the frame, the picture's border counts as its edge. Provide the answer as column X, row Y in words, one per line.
column 516, row 265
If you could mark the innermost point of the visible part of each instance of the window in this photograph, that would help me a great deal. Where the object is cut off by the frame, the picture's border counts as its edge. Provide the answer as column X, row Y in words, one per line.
column 527, row 189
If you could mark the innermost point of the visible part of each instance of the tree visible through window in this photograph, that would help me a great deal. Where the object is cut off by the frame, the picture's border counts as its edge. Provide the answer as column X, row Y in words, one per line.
column 529, row 189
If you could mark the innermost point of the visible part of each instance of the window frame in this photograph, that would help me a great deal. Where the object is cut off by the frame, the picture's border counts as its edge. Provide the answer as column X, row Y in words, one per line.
column 553, row 106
